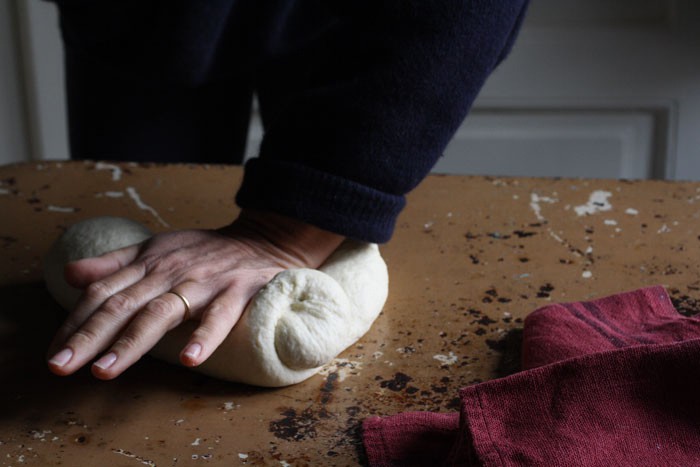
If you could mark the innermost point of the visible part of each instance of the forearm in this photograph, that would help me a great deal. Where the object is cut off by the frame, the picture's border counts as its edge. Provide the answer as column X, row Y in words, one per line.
column 367, row 105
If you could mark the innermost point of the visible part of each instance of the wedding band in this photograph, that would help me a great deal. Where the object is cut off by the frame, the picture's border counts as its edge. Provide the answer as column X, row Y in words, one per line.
column 186, row 302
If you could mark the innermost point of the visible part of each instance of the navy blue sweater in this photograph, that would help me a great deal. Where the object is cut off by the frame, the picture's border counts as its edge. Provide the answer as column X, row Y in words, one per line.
column 358, row 98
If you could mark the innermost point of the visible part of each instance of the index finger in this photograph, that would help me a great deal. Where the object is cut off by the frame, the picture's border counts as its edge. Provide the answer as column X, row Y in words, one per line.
column 83, row 272
column 93, row 297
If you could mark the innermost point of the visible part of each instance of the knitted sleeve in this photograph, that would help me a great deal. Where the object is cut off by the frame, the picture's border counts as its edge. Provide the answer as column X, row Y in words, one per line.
column 359, row 99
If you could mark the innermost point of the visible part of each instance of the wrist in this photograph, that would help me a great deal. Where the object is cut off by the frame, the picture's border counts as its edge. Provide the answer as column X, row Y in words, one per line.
column 303, row 243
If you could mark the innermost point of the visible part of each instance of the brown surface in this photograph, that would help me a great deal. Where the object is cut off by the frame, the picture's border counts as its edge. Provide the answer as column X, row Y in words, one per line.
column 469, row 260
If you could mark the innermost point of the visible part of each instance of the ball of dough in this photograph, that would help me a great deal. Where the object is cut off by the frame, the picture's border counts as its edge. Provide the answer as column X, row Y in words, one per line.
column 298, row 322
column 91, row 237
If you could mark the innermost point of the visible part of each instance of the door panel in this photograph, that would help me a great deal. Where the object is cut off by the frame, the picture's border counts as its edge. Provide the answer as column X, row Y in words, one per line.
column 614, row 83
column 553, row 143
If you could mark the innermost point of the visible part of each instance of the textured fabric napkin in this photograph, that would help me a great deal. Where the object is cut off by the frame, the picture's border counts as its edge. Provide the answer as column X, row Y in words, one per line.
column 614, row 381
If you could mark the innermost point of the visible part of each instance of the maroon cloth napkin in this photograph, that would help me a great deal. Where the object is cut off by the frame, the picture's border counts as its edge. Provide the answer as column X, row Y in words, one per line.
column 614, row 381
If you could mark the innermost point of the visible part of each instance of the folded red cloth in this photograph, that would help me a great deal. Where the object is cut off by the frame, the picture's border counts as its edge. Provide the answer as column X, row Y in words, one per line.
column 613, row 381
column 562, row 331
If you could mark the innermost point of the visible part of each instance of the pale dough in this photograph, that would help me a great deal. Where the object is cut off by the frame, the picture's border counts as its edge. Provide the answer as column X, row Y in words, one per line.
column 299, row 321
column 92, row 237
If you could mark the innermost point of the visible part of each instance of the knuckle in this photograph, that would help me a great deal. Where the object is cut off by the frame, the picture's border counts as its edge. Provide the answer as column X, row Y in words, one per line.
column 218, row 321
column 218, row 311
column 97, row 291
column 139, row 268
column 128, row 342
column 159, row 308
column 84, row 336
column 147, row 260
column 118, row 303
column 168, row 264
column 200, row 274
column 205, row 333
column 69, row 328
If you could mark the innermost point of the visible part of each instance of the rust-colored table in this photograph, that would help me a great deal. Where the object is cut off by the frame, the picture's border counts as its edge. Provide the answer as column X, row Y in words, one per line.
column 470, row 258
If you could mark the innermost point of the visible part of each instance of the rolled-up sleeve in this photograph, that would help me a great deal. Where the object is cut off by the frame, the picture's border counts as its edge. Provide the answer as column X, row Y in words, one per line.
column 359, row 100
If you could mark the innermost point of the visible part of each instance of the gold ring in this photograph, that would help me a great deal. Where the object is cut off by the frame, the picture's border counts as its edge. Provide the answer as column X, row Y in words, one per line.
column 186, row 302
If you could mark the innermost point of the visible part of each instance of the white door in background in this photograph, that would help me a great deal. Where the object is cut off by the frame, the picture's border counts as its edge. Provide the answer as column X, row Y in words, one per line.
column 14, row 145
column 32, row 96
column 593, row 88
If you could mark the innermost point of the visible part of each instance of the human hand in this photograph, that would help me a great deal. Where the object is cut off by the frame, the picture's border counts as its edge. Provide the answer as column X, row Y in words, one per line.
column 129, row 304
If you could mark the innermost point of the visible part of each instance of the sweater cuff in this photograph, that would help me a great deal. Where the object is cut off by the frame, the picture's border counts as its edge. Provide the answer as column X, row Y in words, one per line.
column 325, row 200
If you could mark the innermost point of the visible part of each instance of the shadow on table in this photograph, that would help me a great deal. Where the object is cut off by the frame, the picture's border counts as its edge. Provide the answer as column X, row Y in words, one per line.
column 510, row 348
column 28, row 320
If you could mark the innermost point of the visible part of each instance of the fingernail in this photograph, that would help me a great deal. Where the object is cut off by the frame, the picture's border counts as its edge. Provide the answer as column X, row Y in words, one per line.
column 193, row 350
column 62, row 357
column 106, row 361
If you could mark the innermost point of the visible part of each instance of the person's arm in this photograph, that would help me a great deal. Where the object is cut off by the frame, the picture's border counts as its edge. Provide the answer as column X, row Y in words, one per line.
column 359, row 100
column 356, row 112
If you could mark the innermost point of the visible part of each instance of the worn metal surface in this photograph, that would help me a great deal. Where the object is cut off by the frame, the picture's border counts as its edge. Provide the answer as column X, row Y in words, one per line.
column 470, row 258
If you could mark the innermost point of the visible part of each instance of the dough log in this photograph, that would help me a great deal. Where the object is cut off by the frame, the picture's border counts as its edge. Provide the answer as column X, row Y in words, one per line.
column 298, row 322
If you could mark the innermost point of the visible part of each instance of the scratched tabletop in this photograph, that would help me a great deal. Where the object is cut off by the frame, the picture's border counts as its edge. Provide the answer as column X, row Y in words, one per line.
column 471, row 257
